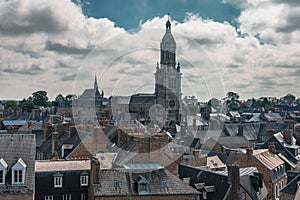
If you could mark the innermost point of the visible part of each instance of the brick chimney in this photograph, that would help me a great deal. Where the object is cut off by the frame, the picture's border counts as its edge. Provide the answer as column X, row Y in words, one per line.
column 48, row 129
column 72, row 131
column 55, row 136
column 95, row 168
column 249, row 151
column 270, row 132
column 233, row 180
column 272, row 148
column 288, row 136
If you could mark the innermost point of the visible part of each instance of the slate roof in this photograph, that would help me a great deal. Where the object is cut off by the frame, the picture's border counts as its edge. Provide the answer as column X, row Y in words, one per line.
column 250, row 130
column 12, row 148
column 218, row 179
column 128, row 179
column 142, row 99
column 281, row 146
column 292, row 186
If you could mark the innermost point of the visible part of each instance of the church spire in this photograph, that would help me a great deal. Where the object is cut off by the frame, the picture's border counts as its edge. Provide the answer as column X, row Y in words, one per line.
column 95, row 83
column 168, row 24
column 168, row 47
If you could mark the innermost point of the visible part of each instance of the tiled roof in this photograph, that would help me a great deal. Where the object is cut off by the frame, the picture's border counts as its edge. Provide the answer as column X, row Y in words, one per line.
column 128, row 181
column 292, row 186
column 48, row 166
column 214, row 162
column 12, row 148
column 271, row 161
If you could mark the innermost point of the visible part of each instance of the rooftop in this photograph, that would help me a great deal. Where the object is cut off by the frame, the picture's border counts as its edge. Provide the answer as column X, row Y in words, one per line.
column 48, row 166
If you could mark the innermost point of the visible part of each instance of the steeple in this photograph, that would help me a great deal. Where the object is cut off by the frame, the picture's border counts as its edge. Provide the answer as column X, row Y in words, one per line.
column 168, row 24
column 168, row 47
column 95, row 83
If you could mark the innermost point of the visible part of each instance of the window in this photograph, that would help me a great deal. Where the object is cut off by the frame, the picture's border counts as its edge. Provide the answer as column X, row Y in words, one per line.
column 204, row 195
column 143, row 185
column 58, row 180
column 83, row 196
column 2, row 177
column 17, row 176
column 84, row 180
column 3, row 169
column 66, row 196
column 18, row 172
column 49, row 197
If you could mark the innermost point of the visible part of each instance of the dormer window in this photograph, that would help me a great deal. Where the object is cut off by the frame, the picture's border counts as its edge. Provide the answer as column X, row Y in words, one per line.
column 3, row 170
column 143, row 185
column 18, row 172
column 58, row 180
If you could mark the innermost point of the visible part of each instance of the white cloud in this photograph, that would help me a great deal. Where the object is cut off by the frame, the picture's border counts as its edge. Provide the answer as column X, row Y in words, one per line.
column 48, row 52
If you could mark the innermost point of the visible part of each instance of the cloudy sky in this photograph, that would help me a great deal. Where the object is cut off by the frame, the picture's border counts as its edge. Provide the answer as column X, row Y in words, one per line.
column 251, row 47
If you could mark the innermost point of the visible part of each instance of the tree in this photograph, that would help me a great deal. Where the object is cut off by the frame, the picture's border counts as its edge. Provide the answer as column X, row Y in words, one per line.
column 213, row 102
column 26, row 104
column 39, row 98
column 289, row 98
column 10, row 104
column 232, row 101
column 60, row 98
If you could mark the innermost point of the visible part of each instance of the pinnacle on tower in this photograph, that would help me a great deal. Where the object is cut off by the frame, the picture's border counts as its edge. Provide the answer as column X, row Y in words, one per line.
column 95, row 83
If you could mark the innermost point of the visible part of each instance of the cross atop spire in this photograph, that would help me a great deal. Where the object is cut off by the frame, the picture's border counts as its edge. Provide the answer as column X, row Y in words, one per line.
column 168, row 24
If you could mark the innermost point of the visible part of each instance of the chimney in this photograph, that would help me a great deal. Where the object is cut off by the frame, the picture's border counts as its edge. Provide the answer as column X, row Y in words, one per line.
column 95, row 170
column 270, row 132
column 297, row 130
column 272, row 148
column 48, row 129
column 194, row 124
column 72, row 131
column 288, row 136
column 234, row 180
column 240, row 129
column 249, row 151
column 55, row 136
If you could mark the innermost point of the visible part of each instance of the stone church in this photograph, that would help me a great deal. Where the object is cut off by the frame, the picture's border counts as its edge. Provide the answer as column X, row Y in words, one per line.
column 167, row 96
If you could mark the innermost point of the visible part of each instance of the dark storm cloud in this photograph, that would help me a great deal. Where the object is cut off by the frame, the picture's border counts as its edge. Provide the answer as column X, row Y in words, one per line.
column 27, row 22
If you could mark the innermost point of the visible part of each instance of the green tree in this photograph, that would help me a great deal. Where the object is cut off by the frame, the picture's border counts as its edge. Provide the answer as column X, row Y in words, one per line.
column 60, row 98
column 232, row 101
column 10, row 104
column 26, row 104
column 39, row 98
column 289, row 98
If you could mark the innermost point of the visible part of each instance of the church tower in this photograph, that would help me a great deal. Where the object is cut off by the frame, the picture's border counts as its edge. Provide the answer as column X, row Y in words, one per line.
column 168, row 81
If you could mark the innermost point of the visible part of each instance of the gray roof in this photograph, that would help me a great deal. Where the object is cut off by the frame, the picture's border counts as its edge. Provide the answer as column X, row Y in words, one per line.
column 13, row 147
column 250, row 130
column 120, row 100
column 14, row 122
column 142, row 99
column 128, row 181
